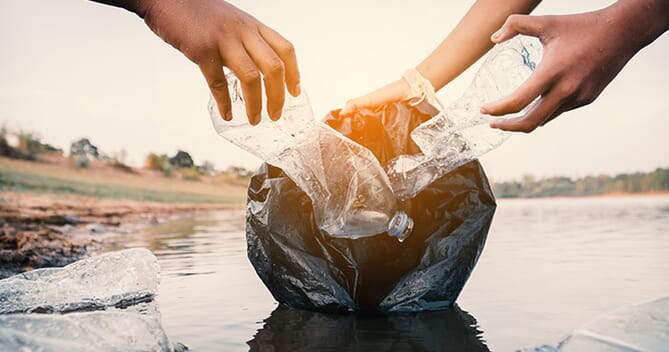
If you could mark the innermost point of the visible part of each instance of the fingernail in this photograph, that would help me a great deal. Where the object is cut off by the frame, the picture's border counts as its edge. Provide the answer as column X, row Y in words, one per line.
column 496, row 35
column 255, row 120
column 228, row 116
column 297, row 90
column 275, row 115
column 484, row 110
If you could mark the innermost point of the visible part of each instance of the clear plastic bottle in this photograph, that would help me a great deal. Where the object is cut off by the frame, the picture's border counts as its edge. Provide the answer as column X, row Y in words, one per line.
column 350, row 192
column 461, row 133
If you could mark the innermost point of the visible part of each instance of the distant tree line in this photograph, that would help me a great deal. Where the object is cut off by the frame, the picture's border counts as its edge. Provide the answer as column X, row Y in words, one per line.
column 181, row 163
column 529, row 187
column 23, row 145
column 83, row 154
column 28, row 145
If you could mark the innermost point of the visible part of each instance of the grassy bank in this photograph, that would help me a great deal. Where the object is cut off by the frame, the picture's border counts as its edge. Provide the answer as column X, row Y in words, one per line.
column 26, row 176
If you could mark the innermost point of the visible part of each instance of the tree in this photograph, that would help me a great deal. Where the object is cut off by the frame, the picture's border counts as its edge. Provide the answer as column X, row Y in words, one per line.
column 84, row 148
column 181, row 160
column 155, row 162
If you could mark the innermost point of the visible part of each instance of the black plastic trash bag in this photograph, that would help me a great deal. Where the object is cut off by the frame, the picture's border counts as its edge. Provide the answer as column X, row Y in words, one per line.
column 306, row 269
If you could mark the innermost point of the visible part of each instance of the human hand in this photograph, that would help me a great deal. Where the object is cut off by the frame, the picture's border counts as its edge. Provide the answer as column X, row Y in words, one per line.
column 413, row 89
column 395, row 91
column 213, row 34
column 582, row 54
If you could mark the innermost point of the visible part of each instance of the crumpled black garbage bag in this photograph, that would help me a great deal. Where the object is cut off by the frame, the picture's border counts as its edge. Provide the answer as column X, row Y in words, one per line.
column 306, row 269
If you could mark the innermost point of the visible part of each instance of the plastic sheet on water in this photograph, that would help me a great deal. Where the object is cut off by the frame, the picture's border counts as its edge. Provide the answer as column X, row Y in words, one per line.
column 109, row 280
column 116, row 330
column 643, row 327
column 304, row 268
column 107, row 301
column 635, row 328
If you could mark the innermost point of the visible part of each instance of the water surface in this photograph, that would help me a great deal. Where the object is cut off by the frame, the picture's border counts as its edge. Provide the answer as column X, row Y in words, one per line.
column 549, row 265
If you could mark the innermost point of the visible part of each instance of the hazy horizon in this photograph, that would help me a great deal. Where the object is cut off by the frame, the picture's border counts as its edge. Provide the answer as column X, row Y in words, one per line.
column 77, row 69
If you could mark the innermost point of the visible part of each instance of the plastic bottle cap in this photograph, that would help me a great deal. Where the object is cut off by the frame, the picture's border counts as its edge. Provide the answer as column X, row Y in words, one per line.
column 400, row 226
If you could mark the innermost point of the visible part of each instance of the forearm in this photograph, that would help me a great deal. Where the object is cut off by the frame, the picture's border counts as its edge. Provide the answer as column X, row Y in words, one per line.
column 640, row 21
column 470, row 39
column 136, row 6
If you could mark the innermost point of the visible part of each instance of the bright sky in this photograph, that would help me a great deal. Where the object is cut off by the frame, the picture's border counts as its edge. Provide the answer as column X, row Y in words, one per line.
column 76, row 68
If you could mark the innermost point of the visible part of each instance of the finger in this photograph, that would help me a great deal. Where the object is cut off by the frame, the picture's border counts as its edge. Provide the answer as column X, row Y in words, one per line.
column 519, row 24
column 536, row 84
column 286, row 52
column 213, row 72
column 555, row 114
column 545, row 107
column 392, row 92
column 272, row 69
column 239, row 62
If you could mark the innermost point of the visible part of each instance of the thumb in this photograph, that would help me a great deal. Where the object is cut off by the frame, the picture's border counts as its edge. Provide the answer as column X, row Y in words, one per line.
column 395, row 91
column 519, row 24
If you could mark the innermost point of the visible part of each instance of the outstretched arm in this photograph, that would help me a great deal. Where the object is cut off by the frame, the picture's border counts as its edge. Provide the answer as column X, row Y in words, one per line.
column 583, row 53
column 213, row 34
column 460, row 49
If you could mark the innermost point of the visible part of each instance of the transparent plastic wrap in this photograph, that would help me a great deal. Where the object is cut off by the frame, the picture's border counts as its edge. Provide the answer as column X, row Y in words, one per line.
column 117, row 330
column 639, row 327
column 460, row 133
column 350, row 192
column 114, row 279
column 102, row 303
column 643, row 327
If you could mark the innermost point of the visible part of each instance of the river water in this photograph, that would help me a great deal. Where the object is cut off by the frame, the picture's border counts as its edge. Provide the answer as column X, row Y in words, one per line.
column 549, row 266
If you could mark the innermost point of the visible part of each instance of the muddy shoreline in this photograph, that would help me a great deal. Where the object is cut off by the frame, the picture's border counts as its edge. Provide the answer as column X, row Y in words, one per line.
column 43, row 230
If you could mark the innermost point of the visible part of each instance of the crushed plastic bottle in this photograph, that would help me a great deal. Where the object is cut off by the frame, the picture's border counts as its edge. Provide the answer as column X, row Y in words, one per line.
column 460, row 133
column 350, row 192
column 116, row 279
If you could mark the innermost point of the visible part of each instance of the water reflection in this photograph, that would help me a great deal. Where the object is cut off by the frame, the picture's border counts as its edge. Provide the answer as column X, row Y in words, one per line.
column 290, row 329
column 188, row 245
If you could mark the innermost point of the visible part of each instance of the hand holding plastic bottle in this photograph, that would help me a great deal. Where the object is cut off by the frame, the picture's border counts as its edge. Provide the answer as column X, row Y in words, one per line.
column 583, row 53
